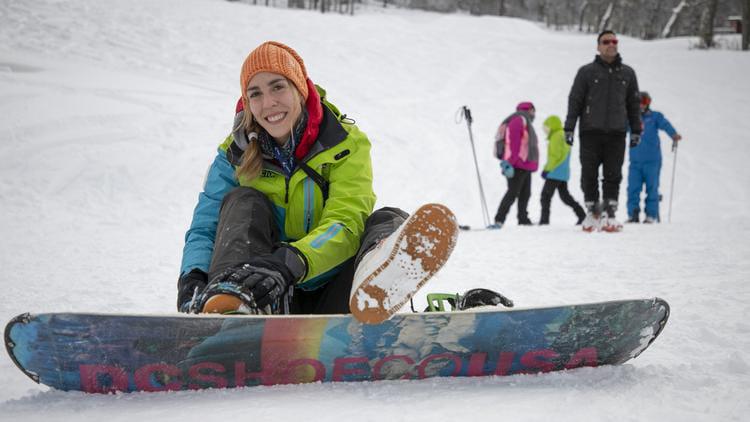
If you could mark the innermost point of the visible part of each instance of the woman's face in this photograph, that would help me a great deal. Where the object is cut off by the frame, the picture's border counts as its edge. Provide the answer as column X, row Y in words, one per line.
column 275, row 104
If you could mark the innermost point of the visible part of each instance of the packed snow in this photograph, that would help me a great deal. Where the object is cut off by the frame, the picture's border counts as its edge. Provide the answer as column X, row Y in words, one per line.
column 111, row 112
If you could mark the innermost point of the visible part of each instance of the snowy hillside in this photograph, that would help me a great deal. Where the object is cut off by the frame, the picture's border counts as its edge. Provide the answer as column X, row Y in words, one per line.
column 111, row 111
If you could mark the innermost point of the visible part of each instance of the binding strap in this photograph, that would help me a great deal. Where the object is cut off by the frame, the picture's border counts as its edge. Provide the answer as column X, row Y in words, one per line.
column 315, row 176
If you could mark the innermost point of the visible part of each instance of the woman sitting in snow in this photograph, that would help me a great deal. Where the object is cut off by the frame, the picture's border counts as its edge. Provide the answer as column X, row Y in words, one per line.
column 285, row 215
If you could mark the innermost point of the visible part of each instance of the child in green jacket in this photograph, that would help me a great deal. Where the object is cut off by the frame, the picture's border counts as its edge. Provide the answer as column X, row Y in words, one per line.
column 557, row 170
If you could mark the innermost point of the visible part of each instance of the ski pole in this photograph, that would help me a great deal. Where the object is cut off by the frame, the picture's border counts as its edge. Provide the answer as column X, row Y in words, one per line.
column 466, row 113
column 671, row 189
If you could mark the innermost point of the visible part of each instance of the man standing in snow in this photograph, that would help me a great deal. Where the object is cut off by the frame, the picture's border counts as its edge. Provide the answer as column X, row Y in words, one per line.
column 605, row 97
column 645, row 163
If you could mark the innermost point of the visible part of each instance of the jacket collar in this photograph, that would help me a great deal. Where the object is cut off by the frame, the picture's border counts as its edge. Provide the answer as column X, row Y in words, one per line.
column 616, row 63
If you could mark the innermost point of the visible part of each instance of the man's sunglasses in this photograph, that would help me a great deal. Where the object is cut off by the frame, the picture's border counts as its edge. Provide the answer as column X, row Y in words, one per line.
column 608, row 42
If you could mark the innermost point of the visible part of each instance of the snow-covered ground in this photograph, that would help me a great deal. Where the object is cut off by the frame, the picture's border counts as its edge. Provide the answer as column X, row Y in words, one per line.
column 110, row 113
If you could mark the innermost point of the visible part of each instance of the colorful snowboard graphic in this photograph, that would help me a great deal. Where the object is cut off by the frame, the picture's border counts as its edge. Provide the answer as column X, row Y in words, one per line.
column 100, row 353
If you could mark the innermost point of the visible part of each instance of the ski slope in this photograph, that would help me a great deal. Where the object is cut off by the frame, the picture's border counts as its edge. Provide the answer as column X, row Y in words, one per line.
column 111, row 111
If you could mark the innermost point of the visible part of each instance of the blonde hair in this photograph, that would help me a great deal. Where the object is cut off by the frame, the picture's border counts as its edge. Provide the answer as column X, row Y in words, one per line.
column 252, row 158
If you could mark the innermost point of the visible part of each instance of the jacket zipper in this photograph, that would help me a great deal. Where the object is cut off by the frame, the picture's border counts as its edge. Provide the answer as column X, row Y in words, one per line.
column 309, row 204
column 609, row 95
column 286, row 189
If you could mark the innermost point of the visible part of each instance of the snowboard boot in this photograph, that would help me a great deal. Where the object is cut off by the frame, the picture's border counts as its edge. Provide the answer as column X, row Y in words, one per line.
column 224, row 296
column 609, row 223
column 222, row 304
column 591, row 222
column 389, row 275
column 634, row 218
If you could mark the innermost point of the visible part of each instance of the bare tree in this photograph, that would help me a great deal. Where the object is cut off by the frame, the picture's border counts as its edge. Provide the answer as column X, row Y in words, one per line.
column 581, row 13
column 706, row 25
column 745, row 24
column 606, row 17
column 676, row 12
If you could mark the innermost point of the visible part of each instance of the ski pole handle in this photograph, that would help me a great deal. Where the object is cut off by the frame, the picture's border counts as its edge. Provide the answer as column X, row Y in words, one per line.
column 467, row 114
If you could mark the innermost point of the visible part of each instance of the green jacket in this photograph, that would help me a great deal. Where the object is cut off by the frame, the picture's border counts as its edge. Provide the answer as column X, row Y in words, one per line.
column 558, row 151
column 329, row 233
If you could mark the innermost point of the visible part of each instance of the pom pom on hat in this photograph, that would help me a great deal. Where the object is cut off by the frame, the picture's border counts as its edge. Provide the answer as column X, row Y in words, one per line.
column 274, row 57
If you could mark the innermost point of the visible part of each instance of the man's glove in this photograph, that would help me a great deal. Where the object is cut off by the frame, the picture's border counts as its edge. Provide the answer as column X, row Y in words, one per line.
column 635, row 139
column 569, row 137
column 190, row 285
column 507, row 169
column 268, row 277
column 544, row 175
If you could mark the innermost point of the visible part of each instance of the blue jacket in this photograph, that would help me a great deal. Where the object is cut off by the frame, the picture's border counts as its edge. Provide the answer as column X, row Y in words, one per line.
column 649, row 149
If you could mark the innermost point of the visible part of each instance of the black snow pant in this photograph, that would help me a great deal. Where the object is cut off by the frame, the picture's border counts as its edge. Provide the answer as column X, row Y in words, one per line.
column 605, row 149
column 248, row 227
column 519, row 187
column 548, row 191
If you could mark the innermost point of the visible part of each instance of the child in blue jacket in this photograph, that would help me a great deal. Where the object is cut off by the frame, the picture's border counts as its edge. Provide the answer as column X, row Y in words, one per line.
column 645, row 163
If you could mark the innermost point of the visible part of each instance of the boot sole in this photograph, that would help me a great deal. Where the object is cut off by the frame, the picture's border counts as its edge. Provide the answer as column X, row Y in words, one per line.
column 420, row 250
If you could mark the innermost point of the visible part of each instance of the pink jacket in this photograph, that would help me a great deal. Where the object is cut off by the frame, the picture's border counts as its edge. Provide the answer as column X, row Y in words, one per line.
column 521, row 145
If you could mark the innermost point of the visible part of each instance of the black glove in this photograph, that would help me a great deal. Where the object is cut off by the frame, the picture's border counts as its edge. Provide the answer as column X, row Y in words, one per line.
column 569, row 137
column 635, row 139
column 187, row 286
column 268, row 277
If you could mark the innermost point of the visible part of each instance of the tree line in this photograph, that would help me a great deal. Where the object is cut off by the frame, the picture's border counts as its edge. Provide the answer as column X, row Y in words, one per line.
column 645, row 19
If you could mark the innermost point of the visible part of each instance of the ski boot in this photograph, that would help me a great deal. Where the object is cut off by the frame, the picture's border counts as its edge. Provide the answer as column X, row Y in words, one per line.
column 591, row 222
column 609, row 223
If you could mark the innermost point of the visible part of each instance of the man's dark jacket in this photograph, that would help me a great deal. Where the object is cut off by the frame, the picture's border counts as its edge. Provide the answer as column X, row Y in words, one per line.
column 605, row 96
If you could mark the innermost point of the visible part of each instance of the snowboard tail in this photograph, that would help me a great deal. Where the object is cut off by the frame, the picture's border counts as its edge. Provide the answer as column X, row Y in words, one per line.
column 99, row 353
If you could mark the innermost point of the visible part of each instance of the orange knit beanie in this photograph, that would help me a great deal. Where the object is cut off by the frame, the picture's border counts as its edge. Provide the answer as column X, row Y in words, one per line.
column 274, row 57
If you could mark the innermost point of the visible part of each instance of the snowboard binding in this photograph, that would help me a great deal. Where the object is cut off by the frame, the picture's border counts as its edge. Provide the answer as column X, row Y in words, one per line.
column 474, row 298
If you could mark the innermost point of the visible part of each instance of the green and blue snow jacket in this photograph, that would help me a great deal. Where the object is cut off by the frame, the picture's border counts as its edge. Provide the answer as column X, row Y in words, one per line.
column 558, row 151
column 326, row 232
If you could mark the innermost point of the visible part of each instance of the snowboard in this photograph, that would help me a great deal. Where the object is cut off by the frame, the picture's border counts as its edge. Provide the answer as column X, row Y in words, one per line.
column 104, row 353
